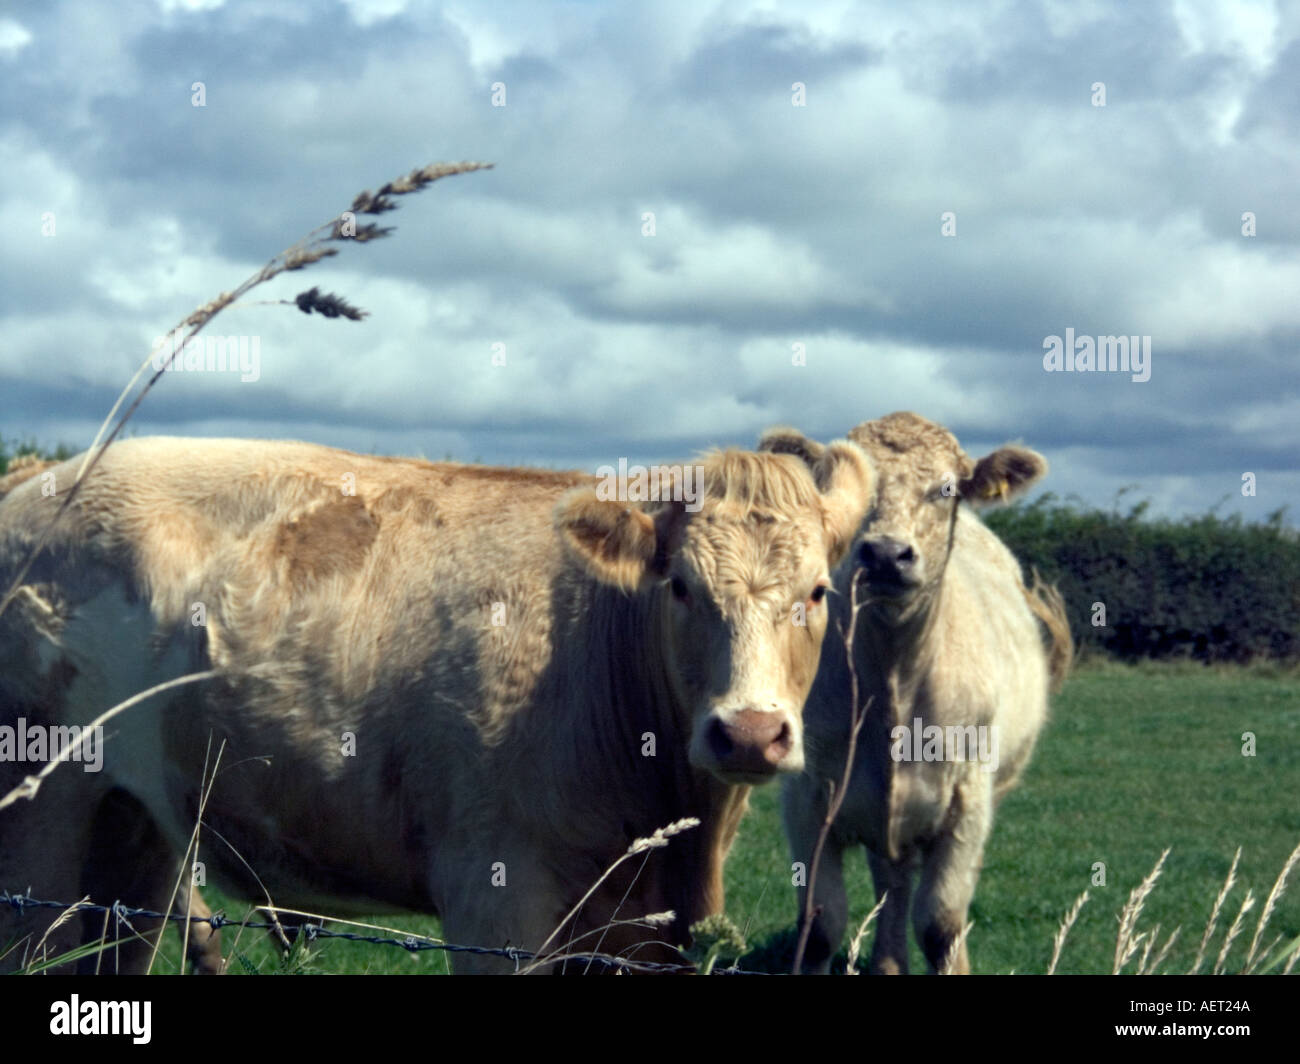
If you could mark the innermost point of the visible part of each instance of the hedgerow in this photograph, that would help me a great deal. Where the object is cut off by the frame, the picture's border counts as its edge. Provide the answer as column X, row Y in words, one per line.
column 1206, row 587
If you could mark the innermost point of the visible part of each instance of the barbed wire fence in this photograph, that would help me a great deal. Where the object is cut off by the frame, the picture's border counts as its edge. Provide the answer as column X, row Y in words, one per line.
column 123, row 914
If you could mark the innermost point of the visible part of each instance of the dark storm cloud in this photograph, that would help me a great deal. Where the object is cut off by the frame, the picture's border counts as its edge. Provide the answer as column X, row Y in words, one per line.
column 1136, row 51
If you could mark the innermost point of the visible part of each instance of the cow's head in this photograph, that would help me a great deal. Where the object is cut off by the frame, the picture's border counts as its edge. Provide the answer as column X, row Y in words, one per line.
column 738, row 580
column 923, row 476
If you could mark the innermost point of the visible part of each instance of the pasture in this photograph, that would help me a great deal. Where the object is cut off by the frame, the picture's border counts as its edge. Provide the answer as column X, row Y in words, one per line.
column 1134, row 759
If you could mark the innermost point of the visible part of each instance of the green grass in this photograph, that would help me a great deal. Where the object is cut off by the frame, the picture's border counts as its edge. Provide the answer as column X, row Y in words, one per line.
column 1134, row 759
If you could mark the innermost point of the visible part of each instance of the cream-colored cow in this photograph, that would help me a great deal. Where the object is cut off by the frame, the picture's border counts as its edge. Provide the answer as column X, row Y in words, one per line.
column 447, row 688
column 949, row 654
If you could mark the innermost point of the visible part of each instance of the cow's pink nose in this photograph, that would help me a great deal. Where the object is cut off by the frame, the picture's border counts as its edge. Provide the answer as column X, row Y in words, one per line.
column 751, row 741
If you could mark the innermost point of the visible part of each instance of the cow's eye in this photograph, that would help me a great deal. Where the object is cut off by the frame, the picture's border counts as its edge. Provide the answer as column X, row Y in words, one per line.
column 818, row 593
column 681, row 592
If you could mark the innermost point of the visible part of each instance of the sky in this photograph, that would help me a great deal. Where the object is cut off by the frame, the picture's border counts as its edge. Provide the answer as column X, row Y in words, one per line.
column 704, row 219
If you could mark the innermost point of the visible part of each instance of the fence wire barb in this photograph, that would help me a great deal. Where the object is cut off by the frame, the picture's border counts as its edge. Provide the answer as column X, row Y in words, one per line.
column 411, row 943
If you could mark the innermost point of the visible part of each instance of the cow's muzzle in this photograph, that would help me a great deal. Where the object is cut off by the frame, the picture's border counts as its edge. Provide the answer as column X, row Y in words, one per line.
column 751, row 745
column 889, row 565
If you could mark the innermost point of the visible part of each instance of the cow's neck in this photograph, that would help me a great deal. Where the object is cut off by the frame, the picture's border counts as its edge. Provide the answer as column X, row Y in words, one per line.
column 622, row 701
column 894, row 650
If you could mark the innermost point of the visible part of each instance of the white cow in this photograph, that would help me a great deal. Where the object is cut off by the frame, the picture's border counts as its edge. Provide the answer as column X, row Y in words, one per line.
column 949, row 652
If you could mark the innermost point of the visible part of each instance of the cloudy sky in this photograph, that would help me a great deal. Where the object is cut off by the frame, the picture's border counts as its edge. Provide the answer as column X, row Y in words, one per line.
column 705, row 218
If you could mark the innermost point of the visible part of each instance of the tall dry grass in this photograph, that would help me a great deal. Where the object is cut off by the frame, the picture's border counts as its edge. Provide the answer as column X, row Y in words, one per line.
column 1152, row 957
column 316, row 245
column 835, row 799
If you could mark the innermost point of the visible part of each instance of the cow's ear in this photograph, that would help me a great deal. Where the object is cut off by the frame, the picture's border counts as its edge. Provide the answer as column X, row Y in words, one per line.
column 1002, row 475
column 781, row 439
column 615, row 542
column 846, row 478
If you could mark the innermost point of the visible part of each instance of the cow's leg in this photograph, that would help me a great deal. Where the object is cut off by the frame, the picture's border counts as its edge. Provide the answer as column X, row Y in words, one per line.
column 830, row 907
column 43, row 846
column 949, row 873
column 893, row 882
column 128, row 860
column 803, row 806
column 203, row 949
column 499, row 893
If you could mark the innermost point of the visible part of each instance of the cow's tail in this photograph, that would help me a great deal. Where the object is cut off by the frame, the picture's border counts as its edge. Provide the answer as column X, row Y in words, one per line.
column 24, row 467
column 1049, row 607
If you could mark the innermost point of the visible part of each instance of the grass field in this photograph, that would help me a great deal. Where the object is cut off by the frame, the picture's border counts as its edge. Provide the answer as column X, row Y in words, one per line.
column 1134, row 759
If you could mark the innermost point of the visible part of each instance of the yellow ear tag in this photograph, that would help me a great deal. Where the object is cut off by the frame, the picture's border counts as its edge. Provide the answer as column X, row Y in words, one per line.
column 997, row 490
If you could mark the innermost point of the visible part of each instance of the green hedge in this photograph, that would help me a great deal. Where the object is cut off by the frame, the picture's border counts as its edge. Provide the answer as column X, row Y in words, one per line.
column 1212, row 588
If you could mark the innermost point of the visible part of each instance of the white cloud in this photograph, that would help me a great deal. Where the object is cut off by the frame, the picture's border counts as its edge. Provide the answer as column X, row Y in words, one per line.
column 14, row 37
column 168, row 6
column 775, row 224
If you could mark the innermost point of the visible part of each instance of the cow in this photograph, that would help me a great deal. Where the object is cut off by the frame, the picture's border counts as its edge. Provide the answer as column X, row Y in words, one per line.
column 954, row 672
column 445, row 688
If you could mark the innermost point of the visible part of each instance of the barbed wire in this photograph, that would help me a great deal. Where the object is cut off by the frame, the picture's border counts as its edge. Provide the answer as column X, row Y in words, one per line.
column 314, row 931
